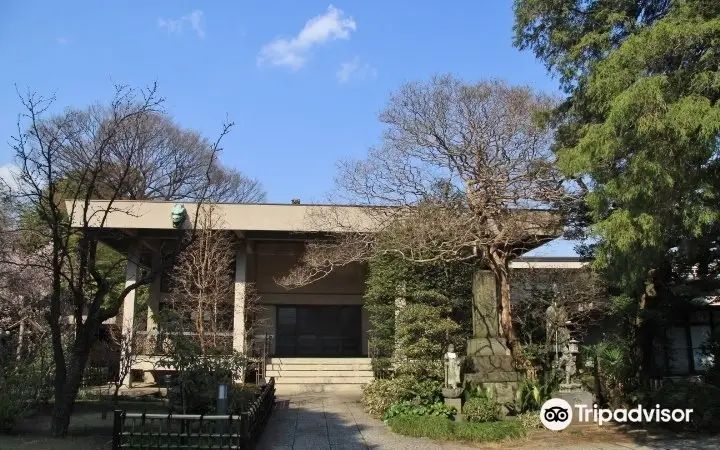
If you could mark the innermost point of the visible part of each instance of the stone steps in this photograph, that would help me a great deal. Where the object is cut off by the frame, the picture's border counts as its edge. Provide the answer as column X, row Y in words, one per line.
column 298, row 375
column 320, row 379
column 326, row 361
column 311, row 373
column 314, row 367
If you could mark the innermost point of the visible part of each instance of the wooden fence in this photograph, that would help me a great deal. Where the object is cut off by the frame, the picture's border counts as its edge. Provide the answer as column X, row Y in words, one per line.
column 194, row 431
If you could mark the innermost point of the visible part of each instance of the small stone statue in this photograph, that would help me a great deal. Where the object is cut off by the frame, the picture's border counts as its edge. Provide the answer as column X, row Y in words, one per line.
column 567, row 364
column 452, row 368
column 556, row 329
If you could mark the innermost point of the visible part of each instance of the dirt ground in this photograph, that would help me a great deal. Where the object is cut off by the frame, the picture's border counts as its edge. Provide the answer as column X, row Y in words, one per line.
column 88, row 430
column 589, row 434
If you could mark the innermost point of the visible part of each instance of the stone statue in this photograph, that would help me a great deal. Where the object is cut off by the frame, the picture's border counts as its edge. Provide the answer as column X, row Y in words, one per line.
column 556, row 330
column 567, row 363
column 452, row 368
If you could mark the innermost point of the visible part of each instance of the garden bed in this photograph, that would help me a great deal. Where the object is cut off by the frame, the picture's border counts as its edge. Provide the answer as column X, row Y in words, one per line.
column 441, row 428
column 240, row 428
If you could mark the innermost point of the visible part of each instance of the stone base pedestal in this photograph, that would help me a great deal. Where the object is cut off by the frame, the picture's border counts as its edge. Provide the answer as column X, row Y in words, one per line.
column 502, row 391
column 574, row 398
column 492, row 363
column 493, row 368
column 457, row 404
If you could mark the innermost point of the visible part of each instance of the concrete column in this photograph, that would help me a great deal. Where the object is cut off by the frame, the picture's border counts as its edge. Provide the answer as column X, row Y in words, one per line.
column 131, row 276
column 239, row 299
column 154, row 300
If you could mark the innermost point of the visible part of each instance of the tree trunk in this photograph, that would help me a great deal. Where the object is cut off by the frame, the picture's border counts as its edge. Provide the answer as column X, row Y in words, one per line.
column 644, row 329
column 506, row 322
column 67, row 383
column 66, row 390
column 500, row 268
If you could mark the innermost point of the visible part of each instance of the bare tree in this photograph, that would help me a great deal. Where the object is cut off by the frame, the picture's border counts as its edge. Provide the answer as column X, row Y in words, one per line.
column 203, row 283
column 581, row 294
column 101, row 137
column 203, row 297
column 465, row 172
column 170, row 163
column 124, row 341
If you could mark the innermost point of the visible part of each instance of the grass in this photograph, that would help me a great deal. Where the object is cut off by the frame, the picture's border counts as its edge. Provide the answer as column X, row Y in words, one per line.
column 441, row 428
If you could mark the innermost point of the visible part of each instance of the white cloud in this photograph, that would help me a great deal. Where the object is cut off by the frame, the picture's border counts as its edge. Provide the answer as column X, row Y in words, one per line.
column 294, row 52
column 62, row 40
column 355, row 70
column 195, row 19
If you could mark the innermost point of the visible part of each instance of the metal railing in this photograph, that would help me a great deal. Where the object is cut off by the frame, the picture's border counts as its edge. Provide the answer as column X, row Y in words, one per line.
column 261, row 349
column 194, row 431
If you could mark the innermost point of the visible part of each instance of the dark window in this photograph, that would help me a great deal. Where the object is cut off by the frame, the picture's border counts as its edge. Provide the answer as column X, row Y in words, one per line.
column 312, row 331
column 683, row 353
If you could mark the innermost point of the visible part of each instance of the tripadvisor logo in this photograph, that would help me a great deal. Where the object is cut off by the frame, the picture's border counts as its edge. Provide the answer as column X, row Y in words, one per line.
column 556, row 414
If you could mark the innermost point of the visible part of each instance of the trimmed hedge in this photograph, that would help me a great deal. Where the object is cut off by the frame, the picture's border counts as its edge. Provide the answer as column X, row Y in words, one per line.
column 380, row 394
column 409, row 408
column 482, row 410
column 440, row 428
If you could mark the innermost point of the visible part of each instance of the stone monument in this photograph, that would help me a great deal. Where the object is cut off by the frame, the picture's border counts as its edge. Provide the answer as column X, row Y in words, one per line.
column 452, row 390
column 570, row 390
column 492, row 362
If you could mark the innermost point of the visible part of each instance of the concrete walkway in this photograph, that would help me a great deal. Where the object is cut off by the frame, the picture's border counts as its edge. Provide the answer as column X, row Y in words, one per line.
column 323, row 422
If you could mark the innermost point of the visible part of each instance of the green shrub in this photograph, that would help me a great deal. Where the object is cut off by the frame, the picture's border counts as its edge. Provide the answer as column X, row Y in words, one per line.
column 433, row 427
column 239, row 396
column 481, row 410
column 409, row 408
column 440, row 428
column 488, row 431
column 436, row 284
column 703, row 399
column 424, row 325
column 616, row 369
column 24, row 385
column 380, row 394
column 530, row 420
column 198, row 374
column 532, row 394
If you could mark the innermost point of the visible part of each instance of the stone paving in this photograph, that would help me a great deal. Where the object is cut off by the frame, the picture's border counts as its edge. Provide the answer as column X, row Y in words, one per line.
column 323, row 422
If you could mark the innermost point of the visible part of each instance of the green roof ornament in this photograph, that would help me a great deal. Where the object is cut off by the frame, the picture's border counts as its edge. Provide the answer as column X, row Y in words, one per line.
column 178, row 216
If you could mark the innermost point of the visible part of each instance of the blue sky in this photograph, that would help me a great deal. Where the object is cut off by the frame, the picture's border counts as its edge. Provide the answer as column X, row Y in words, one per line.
column 302, row 80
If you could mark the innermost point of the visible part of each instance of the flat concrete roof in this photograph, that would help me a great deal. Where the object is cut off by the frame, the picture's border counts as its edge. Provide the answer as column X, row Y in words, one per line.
column 132, row 214
column 540, row 262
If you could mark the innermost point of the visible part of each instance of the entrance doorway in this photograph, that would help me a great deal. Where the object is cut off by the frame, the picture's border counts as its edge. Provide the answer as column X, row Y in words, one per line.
column 319, row 331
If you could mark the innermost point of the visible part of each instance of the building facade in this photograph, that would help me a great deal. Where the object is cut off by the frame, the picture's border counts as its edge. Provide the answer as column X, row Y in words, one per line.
column 314, row 335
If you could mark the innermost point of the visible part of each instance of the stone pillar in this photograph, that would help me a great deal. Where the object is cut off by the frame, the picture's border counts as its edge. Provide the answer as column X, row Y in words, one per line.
column 239, row 340
column 492, row 361
column 154, row 300
column 128, row 310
